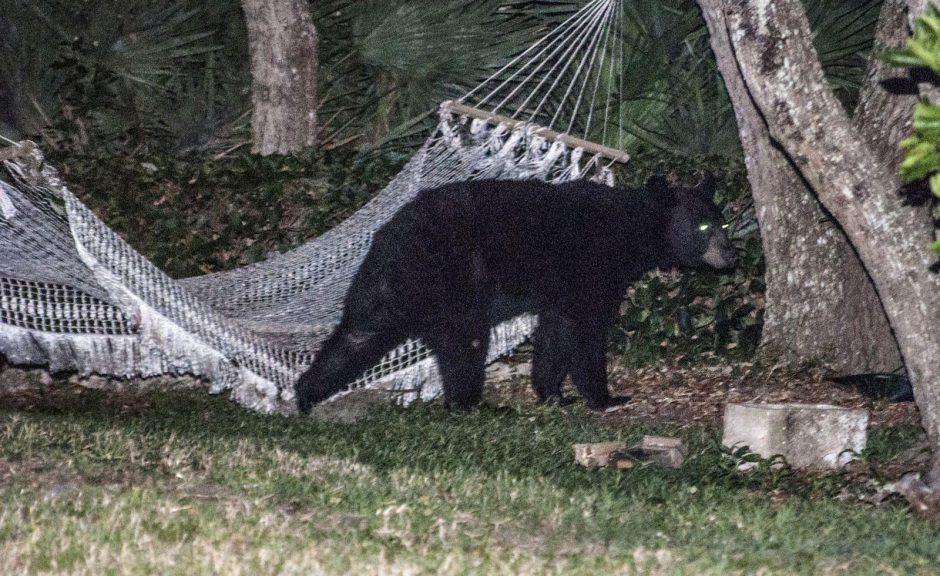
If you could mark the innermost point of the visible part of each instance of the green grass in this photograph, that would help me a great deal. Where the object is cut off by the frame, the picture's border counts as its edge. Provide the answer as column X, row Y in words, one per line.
column 183, row 483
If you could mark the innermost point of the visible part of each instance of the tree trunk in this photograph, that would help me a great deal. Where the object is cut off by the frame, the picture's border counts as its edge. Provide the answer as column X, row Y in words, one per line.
column 882, row 118
column 821, row 304
column 283, row 46
column 772, row 50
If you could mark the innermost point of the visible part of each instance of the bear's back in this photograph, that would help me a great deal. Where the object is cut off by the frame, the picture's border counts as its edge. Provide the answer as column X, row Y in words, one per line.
column 529, row 234
column 529, row 205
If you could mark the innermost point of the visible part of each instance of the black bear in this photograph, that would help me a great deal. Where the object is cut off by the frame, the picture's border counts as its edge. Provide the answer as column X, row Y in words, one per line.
column 446, row 265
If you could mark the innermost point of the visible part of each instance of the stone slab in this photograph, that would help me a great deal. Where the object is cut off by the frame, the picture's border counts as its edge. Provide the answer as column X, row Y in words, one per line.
column 806, row 435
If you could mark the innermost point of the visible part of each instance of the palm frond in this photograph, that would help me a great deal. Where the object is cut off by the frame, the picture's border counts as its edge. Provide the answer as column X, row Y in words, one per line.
column 843, row 31
column 116, row 65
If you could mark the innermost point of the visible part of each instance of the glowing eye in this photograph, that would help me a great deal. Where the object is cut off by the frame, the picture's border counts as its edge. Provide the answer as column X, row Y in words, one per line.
column 725, row 226
column 703, row 227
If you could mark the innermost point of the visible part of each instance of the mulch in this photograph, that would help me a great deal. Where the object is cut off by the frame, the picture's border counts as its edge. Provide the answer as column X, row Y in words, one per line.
column 697, row 396
column 692, row 396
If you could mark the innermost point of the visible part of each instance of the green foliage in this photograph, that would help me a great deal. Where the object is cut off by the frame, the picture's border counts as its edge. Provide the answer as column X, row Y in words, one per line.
column 697, row 316
column 121, row 74
column 922, row 50
column 843, row 32
column 922, row 156
column 173, row 75
column 922, row 149
column 673, row 100
column 386, row 65
column 401, row 60
column 244, row 206
column 887, row 443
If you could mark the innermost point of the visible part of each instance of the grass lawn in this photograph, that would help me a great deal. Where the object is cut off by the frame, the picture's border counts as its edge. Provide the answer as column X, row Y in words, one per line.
column 96, row 483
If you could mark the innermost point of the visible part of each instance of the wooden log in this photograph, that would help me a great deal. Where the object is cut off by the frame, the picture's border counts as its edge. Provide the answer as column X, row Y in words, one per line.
column 659, row 450
column 597, row 454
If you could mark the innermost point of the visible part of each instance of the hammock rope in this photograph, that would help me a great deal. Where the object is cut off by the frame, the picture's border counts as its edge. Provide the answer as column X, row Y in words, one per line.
column 75, row 296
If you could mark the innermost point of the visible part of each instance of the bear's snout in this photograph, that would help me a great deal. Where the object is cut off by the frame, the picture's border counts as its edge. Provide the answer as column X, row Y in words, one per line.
column 720, row 254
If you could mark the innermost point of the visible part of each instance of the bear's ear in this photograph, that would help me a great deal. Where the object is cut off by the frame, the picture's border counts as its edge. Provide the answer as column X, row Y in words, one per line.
column 706, row 186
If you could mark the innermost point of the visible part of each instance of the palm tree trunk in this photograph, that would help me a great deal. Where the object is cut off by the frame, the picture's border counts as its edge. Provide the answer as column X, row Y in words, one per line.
column 283, row 46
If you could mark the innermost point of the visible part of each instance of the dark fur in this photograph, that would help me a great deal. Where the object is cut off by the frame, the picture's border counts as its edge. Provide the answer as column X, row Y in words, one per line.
column 456, row 259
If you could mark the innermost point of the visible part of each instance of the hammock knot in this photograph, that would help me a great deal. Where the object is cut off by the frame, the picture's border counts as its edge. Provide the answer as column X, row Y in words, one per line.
column 509, row 147
column 550, row 157
column 479, row 127
column 497, row 139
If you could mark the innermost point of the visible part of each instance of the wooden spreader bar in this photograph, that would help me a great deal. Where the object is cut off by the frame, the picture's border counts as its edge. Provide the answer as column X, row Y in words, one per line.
column 548, row 134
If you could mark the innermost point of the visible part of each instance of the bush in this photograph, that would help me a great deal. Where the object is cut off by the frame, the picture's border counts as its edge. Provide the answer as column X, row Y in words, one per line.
column 697, row 316
column 194, row 215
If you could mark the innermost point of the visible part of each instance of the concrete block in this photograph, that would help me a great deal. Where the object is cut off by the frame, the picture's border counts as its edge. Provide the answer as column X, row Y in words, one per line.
column 806, row 435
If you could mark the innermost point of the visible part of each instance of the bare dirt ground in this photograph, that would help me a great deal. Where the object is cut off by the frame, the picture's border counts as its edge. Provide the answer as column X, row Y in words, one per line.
column 695, row 396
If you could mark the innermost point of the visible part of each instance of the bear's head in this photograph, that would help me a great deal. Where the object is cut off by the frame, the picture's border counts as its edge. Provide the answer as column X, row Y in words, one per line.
column 698, row 236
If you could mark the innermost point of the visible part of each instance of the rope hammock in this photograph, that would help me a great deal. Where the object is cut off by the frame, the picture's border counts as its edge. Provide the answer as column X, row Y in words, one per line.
column 75, row 296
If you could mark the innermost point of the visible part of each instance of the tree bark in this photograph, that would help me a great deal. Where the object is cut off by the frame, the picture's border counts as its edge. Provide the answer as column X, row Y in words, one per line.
column 772, row 49
column 883, row 118
column 821, row 304
column 915, row 9
column 283, row 47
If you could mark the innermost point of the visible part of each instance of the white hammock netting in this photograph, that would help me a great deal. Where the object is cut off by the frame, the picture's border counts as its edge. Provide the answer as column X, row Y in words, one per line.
column 75, row 296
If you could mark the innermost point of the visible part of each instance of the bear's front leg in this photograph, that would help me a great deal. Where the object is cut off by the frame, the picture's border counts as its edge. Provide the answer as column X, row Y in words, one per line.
column 589, row 367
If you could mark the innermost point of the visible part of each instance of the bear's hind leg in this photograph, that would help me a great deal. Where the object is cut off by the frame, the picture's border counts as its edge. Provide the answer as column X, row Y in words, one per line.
column 345, row 355
column 461, row 349
column 552, row 350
